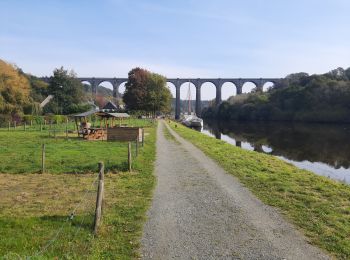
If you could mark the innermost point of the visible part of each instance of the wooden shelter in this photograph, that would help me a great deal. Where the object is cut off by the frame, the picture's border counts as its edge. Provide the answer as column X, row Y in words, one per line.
column 112, row 127
column 112, row 119
column 82, row 122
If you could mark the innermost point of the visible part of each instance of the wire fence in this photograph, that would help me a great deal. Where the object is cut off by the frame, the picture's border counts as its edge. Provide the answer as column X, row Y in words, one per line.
column 83, row 204
column 84, row 208
column 43, row 124
column 29, row 158
column 62, row 156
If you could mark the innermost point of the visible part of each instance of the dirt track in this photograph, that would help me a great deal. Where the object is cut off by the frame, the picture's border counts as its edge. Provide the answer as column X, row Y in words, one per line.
column 200, row 212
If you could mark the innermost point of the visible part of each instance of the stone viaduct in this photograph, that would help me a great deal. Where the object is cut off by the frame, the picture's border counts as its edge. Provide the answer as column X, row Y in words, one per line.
column 178, row 82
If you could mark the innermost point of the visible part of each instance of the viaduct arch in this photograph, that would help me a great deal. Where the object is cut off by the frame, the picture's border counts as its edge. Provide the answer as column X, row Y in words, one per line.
column 177, row 82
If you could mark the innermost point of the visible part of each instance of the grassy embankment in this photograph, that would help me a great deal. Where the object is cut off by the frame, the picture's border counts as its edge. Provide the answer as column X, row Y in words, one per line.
column 34, row 208
column 318, row 206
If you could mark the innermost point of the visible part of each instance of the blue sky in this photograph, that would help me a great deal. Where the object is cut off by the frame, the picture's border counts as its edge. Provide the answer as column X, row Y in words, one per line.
column 178, row 38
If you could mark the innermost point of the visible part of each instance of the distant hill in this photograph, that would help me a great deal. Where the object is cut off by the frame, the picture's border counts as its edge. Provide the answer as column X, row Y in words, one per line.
column 298, row 97
column 103, row 91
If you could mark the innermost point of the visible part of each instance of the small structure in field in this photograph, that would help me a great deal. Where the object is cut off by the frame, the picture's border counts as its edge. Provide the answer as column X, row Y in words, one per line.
column 112, row 119
column 124, row 134
column 112, row 127
column 117, row 129
column 82, row 122
column 110, row 107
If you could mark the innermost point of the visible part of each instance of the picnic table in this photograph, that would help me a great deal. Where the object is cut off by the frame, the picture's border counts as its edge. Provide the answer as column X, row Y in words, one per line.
column 94, row 133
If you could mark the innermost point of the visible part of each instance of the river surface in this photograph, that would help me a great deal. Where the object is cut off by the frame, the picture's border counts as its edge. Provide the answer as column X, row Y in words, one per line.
column 321, row 148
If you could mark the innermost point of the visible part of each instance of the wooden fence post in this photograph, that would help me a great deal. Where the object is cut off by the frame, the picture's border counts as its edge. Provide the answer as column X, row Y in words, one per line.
column 129, row 156
column 43, row 158
column 143, row 136
column 50, row 127
column 137, row 147
column 99, row 199
column 66, row 128
column 31, row 123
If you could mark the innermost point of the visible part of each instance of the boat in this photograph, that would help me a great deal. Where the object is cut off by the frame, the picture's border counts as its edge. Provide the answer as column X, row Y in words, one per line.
column 190, row 119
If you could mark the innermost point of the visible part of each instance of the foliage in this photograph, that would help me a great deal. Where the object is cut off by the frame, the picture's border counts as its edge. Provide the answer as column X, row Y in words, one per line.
column 316, row 204
column 298, row 97
column 38, row 90
column 147, row 91
column 67, row 91
column 14, row 89
column 158, row 95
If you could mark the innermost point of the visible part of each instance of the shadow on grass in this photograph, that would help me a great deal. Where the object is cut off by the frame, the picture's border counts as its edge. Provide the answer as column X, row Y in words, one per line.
column 80, row 221
column 93, row 168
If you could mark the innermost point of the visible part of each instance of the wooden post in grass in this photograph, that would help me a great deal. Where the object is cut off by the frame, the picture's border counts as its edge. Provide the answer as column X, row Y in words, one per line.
column 137, row 147
column 31, row 123
column 66, row 128
column 99, row 199
column 41, row 126
column 43, row 158
column 9, row 128
column 143, row 136
column 129, row 156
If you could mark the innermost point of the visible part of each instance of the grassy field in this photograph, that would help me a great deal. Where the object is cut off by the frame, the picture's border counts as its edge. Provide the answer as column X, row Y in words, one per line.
column 62, row 156
column 35, row 208
column 318, row 206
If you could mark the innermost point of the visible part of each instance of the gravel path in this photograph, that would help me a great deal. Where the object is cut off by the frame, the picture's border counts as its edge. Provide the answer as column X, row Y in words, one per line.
column 200, row 212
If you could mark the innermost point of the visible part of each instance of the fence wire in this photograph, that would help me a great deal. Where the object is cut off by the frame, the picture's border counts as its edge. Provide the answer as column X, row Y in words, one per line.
column 69, row 218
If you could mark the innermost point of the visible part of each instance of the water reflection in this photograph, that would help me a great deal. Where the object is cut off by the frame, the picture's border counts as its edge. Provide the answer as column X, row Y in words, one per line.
column 323, row 149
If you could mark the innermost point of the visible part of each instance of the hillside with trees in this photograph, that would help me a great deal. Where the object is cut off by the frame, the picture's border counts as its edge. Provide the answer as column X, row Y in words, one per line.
column 298, row 97
column 21, row 93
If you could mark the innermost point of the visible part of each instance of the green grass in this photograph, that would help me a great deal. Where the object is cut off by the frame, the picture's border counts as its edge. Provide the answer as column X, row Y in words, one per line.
column 318, row 206
column 169, row 136
column 62, row 156
column 33, row 207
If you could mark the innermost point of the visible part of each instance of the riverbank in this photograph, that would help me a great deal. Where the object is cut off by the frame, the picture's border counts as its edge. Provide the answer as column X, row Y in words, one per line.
column 201, row 212
column 319, row 207
column 320, row 148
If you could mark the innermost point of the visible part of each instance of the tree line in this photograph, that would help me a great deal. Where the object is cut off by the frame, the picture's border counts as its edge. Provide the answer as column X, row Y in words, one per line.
column 298, row 97
column 21, row 93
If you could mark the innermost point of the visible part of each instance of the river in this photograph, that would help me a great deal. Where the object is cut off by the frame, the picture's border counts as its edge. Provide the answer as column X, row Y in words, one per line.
column 321, row 148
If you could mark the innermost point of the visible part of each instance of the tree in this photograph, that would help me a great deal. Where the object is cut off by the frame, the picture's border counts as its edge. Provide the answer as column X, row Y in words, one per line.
column 146, row 91
column 158, row 95
column 67, row 91
column 14, row 89
column 136, row 89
